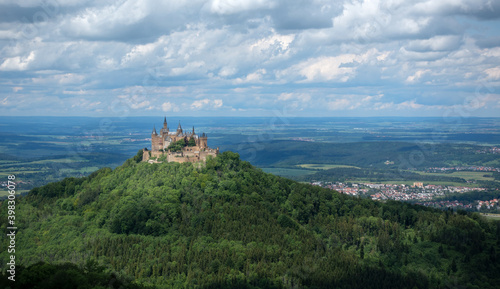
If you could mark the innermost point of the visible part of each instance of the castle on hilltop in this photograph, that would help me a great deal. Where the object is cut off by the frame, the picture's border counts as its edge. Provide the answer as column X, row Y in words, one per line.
column 178, row 146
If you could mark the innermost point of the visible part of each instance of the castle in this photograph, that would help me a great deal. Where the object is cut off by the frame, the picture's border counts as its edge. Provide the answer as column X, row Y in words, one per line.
column 178, row 146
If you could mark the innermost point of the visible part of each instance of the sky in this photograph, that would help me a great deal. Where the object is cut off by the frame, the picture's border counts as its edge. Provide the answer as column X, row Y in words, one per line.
column 250, row 58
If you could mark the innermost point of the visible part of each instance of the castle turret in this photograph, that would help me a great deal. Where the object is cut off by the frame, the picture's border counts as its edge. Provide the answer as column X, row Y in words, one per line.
column 203, row 140
column 164, row 130
column 156, row 141
column 179, row 128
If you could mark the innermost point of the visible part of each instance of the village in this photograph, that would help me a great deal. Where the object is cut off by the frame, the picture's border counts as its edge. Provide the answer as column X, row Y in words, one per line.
column 417, row 193
column 463, row 168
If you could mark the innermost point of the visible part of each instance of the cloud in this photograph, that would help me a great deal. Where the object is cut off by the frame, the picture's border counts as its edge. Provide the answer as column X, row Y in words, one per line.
column 238, row 6
column 219, row 56
column 339, row 68
column 168, row 106
column 418, row 74
column 339, row 104
column 303, row 97
column 252, row 77
column 493, row 73
column 60, row 79
column 17, row 63
column 352, row 102
column 437, row 43
column 206, row 104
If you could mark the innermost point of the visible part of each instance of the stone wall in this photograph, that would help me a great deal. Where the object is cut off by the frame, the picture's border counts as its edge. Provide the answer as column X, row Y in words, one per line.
column 191, row 156
column 156, row 143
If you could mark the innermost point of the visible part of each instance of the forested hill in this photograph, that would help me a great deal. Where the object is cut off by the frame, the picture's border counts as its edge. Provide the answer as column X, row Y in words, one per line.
column 230, row 225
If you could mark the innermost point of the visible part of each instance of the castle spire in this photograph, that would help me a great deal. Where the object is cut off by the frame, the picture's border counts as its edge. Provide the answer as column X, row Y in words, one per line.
column 154, row 131
column 179, row 128
column 164, row 120
column 193, row 129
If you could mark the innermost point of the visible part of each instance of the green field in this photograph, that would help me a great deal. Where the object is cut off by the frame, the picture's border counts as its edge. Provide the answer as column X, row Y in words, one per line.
column 324, row 166
column 490, row 216
column 65, row 160
column 84, row 170
column 478, row 176
column 287, row 172
column 4, row 193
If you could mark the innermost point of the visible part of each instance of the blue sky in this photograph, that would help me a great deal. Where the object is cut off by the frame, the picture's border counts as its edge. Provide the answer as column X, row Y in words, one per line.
column 250, row 58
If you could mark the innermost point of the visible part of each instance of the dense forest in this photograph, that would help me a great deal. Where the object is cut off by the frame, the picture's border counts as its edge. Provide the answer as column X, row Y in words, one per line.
column 230, row 225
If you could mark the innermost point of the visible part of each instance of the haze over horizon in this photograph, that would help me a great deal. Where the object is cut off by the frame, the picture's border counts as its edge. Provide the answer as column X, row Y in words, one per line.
column 250, row 58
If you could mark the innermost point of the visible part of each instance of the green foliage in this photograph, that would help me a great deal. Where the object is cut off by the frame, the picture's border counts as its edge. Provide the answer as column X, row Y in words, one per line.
column 229, row 225
column 191, row 142
column 177, row 146
column 286, row 222
column 138, row 157
column 42, row 275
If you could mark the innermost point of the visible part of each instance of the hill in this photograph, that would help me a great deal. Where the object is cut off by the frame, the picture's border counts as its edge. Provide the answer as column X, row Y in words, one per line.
column 230, row 225
column 404, row 155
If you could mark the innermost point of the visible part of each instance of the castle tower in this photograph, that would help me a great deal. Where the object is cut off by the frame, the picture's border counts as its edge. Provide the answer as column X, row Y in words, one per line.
column 203, row 141
column 164, row 131
column 179, row 128
column 156, row 141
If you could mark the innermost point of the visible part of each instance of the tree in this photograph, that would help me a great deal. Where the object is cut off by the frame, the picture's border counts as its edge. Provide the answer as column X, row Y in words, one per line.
column 177, row 146
column 453, row 266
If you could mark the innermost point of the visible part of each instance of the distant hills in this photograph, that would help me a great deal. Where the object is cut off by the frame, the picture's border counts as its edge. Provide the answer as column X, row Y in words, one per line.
column 230, row 225
column 402, row 155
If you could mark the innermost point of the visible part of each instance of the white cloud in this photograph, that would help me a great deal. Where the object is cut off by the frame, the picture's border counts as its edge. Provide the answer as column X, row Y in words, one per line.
column 5, row 102
column 327, row 68
column 192, row 67
column 339, row 104
column 252, row 77
column 17, row 63
column 302, row 97
column 217, row 103
column 352, row 102
column 206, row 104
column 418, row 74
column 227, row 71
column 78, row 92
column 339, row 68
column 493, row 73
column 436, row 43
column 168, row 106
column 60, row 79
column 97, row 21
column 238, row 6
